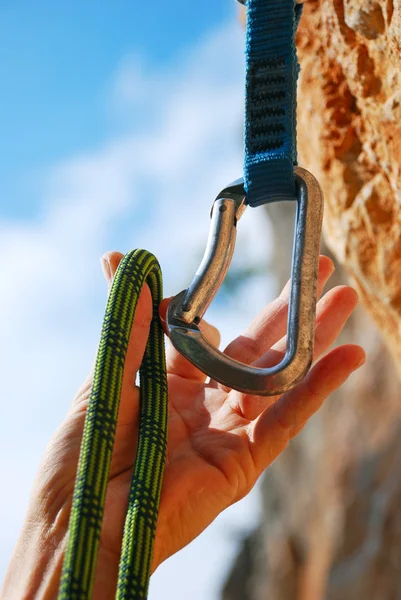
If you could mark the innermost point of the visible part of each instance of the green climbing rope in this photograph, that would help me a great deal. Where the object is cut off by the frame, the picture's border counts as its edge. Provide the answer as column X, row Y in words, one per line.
column 136, row 268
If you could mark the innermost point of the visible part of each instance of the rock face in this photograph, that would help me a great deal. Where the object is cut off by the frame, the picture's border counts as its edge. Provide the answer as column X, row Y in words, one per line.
column 350, row 138
column 332, row 501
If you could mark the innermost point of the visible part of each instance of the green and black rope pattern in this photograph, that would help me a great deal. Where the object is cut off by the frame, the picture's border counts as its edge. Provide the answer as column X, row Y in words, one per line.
column 136, row 268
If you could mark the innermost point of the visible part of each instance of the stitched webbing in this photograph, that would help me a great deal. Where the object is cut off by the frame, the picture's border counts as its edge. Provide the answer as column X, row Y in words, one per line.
column 270, row 114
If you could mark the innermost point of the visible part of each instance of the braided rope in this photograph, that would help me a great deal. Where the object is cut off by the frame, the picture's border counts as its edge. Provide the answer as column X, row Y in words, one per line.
column 79, row 567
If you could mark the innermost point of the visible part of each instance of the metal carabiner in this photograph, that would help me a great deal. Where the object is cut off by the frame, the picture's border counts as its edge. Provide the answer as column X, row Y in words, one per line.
column 186, row 310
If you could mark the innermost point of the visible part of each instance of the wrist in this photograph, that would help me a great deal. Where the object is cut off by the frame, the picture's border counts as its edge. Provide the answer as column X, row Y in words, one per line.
column 35, row 567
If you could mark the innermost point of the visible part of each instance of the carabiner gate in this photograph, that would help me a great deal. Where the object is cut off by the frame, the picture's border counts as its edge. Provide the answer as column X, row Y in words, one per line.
column 188, row 307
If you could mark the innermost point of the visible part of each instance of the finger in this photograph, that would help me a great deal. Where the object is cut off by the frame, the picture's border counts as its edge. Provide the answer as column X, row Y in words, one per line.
column 271, row 324
column 176, row 363
column 332, row 312
column 273, row 429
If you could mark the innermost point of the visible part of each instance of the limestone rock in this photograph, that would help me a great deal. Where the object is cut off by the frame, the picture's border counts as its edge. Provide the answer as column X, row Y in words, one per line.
column 350, row 138
column 332, row 501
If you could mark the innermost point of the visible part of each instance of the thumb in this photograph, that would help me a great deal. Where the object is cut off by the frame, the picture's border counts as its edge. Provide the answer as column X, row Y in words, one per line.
column 136, row 345
column 109, row 263
column 143, row 316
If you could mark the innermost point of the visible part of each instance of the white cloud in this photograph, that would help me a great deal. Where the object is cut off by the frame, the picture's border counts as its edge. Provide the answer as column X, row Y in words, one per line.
column 152, row 187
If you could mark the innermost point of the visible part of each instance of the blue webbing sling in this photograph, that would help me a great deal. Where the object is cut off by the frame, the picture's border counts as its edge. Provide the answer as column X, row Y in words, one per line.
column 270, row 110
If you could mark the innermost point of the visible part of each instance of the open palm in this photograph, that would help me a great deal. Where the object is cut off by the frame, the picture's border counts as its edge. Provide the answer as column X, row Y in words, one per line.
column 219, row 440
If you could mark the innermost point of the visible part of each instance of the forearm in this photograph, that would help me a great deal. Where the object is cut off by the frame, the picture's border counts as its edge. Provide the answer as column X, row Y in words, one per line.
column 35, row 567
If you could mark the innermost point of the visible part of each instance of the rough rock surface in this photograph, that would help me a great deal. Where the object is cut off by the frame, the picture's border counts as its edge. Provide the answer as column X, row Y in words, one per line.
column 332, row 501
column 350, row 138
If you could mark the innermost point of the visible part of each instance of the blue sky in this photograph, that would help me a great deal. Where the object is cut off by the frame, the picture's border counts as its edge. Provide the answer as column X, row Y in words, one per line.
column 58, row 60
column 118, row 129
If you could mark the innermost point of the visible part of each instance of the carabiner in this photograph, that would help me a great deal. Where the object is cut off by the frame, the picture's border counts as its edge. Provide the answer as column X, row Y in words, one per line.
column 188, row 307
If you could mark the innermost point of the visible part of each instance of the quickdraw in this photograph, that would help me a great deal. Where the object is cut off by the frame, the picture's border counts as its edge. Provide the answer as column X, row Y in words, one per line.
column 270, row 174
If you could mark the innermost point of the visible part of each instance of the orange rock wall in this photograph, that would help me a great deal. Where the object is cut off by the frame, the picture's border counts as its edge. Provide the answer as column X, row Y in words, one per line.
column 350, row 138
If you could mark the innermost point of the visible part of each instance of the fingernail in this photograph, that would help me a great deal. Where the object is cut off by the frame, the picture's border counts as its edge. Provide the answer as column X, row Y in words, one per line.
column 361, row 362
column 106, row 268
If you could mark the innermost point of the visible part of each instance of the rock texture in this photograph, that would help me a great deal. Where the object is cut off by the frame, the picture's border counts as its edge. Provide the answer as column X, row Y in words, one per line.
column 350, row 138
column 332, row 501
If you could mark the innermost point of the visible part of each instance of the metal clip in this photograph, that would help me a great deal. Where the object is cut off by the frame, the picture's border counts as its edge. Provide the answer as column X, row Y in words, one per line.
column 188, row 307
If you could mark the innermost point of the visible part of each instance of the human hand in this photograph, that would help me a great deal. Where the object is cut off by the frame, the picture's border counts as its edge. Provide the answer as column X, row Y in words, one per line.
column 220, row 441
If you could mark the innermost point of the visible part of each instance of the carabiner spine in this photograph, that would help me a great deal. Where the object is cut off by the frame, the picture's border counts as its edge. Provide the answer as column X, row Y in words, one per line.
column 215, row 263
